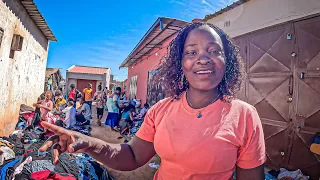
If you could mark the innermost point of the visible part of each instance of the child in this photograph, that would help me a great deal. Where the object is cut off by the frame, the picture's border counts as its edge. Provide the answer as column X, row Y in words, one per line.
column 70, row 112
column 60, row 103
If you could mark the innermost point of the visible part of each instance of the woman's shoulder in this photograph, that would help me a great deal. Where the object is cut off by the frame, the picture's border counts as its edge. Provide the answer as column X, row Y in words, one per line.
column 164, row 103
column 241, row 106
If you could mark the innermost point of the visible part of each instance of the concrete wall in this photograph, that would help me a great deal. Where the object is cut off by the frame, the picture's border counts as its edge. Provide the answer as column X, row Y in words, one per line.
column 108, row 79
column 71, row 81
column 258, row 14
column 72, row 78
column 142, row 69
column 22, row 78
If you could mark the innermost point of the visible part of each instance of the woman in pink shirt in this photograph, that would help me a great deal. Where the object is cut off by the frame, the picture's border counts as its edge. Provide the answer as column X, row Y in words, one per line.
column 46, row 107
column 200, row 132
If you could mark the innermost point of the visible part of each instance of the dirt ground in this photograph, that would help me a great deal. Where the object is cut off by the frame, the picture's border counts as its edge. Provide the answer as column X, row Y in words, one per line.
column 106, row 134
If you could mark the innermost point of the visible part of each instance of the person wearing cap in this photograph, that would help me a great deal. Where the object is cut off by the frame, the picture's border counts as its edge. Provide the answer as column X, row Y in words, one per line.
column 60, row 103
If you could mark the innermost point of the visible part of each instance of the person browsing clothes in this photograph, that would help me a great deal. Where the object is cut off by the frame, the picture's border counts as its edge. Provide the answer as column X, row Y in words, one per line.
column 200, row 132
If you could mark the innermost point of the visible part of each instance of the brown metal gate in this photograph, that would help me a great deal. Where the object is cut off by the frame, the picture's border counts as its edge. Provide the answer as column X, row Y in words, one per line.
column 283, row 83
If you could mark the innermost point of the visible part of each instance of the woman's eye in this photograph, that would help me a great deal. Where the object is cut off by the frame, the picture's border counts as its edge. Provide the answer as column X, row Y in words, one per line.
column 216, row 52
column 191, row 53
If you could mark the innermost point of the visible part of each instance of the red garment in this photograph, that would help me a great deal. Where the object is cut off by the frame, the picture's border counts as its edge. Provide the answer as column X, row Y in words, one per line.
column 50, row 175
column 72, row 94
column 28, row 117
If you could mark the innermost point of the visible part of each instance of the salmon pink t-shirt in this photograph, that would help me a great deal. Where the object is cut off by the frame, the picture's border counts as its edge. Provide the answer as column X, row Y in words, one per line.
column 227, row 135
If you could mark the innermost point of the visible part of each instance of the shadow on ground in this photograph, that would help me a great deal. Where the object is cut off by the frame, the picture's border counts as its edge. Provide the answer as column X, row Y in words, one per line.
column 106, row 134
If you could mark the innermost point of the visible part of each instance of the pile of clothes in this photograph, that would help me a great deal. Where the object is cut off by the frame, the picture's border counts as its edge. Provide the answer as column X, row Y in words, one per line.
column 282, row 174
column 20, row 158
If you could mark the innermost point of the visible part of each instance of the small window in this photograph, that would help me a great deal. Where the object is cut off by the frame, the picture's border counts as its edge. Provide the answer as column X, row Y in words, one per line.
column 1, row 36
column 16, row 45
column 17, row 41
column 133, row 87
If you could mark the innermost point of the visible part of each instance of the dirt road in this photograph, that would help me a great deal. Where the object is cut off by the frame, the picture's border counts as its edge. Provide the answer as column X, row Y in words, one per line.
column 106, row 134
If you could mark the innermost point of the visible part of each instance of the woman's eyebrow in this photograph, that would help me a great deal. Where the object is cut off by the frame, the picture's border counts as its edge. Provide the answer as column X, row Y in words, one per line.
column 190, row 45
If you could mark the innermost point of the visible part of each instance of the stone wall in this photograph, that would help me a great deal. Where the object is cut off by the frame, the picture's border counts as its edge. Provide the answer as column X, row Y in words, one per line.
column 22, row 77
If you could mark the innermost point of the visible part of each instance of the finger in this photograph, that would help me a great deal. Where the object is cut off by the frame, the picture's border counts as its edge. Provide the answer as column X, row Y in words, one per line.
column 49, row 142
column 78, row 146
column 71, row 141
column 56, row 129
column 55, row 153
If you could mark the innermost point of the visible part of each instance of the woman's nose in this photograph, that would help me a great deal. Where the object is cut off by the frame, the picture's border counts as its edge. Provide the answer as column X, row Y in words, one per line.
column 203, row 59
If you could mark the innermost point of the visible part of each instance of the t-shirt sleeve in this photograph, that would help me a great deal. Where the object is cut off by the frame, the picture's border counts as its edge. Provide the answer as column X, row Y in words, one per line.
column 252, row 153
column 147, row 129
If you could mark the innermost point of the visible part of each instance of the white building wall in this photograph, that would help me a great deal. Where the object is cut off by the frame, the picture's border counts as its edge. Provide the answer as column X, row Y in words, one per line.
column 22, row 78
column 257, row 14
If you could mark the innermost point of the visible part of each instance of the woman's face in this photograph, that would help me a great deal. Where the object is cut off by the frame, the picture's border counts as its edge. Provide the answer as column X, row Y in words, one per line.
column 203, row 60
column 48, row 95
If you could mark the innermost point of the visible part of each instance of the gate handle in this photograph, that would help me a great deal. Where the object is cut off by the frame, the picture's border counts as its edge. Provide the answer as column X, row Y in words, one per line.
column 291, row 85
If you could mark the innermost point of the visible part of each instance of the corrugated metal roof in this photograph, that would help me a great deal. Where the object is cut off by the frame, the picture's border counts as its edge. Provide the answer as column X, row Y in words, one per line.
column 87, row 70
column 50, row 71
column 223, row 10
column 162, row 29
column 36, row 16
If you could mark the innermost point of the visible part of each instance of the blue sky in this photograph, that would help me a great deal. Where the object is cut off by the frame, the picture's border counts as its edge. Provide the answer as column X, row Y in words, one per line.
column 102, row 33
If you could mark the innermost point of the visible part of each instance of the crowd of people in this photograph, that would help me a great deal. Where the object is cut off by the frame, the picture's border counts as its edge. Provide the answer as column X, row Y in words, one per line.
column 59, row 108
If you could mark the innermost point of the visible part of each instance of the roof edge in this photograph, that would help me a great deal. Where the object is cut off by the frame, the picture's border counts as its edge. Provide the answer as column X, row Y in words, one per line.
column 38, row 19
column 225, row 9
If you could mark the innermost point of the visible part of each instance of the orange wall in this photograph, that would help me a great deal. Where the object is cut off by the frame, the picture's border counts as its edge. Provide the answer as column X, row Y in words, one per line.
column 142, row 68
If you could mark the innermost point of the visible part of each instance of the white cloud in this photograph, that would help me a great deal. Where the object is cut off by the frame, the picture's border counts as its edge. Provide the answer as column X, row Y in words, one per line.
column 200, row 8
column 177, row 2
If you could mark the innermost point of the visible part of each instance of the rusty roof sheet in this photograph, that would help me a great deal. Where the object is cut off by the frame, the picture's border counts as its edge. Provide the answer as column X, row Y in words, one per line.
column 50, row 71
column 223, row 10
column 36, row 16
column 162, row 29
column 87, row 70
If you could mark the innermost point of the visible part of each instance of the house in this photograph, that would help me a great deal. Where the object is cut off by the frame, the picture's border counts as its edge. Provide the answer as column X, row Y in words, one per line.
column 81, row 76
column 143, row 61
column 114, row 83
column 53, row 78
column 279, row 41
column 24, row 40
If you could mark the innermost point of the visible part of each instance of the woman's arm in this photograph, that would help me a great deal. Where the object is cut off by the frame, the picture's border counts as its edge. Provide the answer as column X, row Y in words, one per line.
column 250, row 174
column 131, row 116
column 123, row 157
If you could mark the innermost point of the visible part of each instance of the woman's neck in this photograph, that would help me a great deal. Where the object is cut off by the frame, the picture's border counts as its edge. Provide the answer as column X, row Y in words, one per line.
column 199, row 99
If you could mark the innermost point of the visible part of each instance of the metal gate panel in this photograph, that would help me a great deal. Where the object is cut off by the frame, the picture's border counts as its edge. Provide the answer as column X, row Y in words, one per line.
column 269, row 89
column 283, row 66
column 307, row 96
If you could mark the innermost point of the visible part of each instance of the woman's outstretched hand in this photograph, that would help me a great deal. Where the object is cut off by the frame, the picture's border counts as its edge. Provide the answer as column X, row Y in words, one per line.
column 64, row 141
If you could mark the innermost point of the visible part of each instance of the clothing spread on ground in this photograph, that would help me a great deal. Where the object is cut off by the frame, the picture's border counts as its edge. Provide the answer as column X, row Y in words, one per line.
column 228, row 134
column 23, row 161
column 87, row 94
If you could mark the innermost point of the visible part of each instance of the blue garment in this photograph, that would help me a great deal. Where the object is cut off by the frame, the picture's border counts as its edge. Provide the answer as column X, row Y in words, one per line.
column 86, row 169
column 112, row 119
column 111, row 105
column 4, row 169
column 125, row 115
